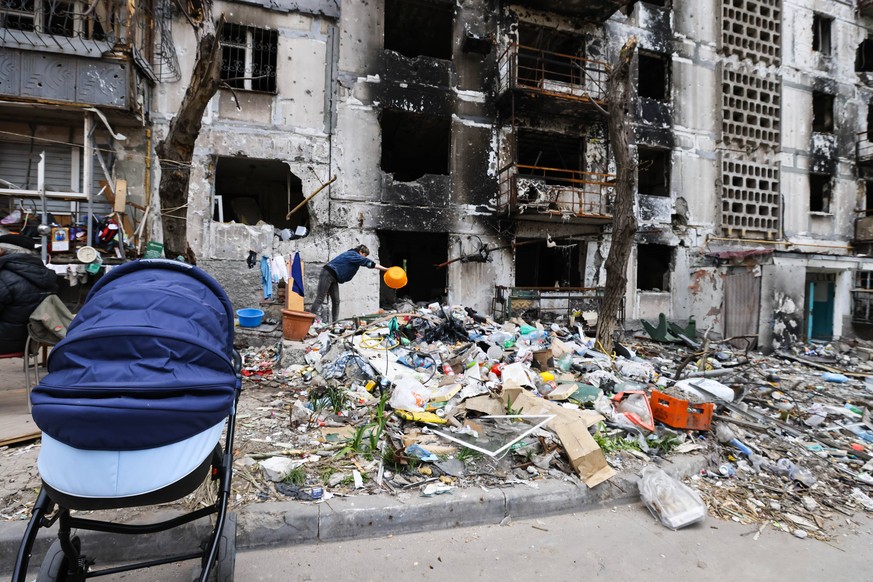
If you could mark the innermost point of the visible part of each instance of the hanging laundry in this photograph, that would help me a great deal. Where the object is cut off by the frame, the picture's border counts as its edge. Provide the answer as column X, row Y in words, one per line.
column 266, row 277
column 297, row 275
column 279, row 266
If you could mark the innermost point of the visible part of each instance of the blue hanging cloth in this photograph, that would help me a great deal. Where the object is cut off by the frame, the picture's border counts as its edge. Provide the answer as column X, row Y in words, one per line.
column 297, row 275
column 266, row 277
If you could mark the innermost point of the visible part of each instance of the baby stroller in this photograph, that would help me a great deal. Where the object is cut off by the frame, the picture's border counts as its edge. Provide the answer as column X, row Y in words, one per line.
column 132, row 411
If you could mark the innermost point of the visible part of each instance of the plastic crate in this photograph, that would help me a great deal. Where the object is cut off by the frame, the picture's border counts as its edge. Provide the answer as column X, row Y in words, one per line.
column 678, row 413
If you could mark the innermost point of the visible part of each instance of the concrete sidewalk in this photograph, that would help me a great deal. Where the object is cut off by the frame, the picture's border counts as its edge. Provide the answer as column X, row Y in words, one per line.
column 365, row 516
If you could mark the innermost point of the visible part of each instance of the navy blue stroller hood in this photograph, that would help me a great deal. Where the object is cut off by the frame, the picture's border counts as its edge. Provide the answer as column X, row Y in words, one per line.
column 147, row 361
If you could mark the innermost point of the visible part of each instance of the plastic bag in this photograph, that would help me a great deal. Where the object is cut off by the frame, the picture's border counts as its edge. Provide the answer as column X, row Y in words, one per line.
column 634, row 405
column 409, row 394
column 675, row 504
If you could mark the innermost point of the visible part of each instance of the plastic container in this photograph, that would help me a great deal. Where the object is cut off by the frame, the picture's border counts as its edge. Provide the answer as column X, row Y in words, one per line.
column 678, row 413
column 250, row 317
column 395, row 277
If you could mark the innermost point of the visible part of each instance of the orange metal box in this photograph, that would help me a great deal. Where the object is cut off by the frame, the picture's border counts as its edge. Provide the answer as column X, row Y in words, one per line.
column 678, row 413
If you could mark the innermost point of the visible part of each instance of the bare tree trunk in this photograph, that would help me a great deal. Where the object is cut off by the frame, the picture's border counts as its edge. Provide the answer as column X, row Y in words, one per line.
column 624, row 224
column 176, row 151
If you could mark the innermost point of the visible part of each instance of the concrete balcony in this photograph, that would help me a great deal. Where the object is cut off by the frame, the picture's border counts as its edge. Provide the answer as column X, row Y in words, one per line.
column 546, row 194
column 104, row 54
column 590, row 10
column 549, row 82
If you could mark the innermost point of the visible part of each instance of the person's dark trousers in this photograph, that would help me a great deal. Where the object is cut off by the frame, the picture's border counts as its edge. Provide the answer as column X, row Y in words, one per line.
column 327, row 285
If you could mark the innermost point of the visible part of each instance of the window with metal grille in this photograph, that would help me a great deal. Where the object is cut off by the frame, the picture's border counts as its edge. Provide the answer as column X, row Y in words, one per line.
column 248, row 57
column 70, row 18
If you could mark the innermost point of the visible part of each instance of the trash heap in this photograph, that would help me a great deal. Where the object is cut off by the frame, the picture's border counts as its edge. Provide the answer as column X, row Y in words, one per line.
column 443, row 397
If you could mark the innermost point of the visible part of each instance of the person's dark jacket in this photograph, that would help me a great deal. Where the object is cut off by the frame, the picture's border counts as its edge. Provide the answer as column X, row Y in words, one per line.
column 345, row 265
column 24, row 283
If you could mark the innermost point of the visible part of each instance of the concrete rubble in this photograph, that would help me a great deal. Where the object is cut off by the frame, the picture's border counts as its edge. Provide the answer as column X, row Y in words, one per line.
column 440, row 399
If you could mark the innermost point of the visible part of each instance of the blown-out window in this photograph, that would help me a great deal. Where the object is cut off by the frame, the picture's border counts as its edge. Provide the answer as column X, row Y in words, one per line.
column 248, row 57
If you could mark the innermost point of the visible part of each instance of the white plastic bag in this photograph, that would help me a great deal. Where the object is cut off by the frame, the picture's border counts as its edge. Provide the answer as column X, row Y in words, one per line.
column 670, row 500
column 409, row 394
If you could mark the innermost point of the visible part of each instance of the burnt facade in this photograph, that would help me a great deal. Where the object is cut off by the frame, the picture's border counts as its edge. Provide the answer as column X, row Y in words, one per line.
column 469, row 144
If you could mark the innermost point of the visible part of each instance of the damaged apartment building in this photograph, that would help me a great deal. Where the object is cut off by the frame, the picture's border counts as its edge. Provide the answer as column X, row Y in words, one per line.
column 469, row 144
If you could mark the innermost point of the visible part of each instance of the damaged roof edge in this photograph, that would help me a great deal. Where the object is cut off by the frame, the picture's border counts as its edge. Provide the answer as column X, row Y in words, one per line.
column 327, row 8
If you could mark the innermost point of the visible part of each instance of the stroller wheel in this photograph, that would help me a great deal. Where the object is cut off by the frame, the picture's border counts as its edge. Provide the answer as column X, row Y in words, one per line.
column 55, row 564
column 226, row 561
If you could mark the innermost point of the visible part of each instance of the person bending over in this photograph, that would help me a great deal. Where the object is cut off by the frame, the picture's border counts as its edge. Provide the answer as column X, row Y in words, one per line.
column 341, row 270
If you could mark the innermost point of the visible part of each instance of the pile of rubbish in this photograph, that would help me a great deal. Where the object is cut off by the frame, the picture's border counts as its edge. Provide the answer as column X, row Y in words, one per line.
column 443, row 397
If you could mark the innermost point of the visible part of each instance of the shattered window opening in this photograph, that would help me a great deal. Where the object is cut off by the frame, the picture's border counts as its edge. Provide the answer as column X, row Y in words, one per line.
column 252, row 190
column 654, row 263
column 558, row 59
column 819, row 193
column 654, row 76
column 419, row 28
column 822, row 112
column 539, row 265
column 248, row 57
column 821, row 33
column 414, row 144
column 539, row 151
column 862, row 297
column 864, row 57
column 654, row 172
column 417, row 253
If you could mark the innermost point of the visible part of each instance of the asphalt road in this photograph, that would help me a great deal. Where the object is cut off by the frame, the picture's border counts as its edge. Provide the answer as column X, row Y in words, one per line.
column 621, row 544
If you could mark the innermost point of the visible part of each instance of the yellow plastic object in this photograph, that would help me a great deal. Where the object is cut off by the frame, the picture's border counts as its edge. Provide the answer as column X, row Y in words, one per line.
column 395, row 277
column 429, row 417
column 547, row 376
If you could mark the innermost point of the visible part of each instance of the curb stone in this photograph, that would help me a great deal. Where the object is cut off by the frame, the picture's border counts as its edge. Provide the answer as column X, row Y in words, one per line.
column 356, row 517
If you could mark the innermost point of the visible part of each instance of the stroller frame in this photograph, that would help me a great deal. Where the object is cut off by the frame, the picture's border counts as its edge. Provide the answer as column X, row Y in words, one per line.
column 78, row 564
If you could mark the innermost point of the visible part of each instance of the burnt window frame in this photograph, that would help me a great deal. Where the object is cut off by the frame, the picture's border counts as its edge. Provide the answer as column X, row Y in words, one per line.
column 403, row 44
column 434, row 134
column 822, row 33
column 864, row 56
column 665, row 155
column 261, row 44
column 821, row 193
column 822, row 112
column 664, row 59
column 666, row 276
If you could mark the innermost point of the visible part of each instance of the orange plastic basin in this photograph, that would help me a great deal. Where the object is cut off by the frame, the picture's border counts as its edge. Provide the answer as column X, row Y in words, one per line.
column 395, row 277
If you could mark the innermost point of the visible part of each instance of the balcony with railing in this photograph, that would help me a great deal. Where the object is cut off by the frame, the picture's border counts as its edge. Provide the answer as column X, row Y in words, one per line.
column 529, row 72
column 92, row 53
column 541, row 193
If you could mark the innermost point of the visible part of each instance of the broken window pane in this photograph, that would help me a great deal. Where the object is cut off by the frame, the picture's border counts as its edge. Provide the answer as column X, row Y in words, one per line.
column 654, row 172
column 419, row 28
column 249, row 190
column 248, row 57
column 819, row 193
column 654, row 263
column 654, row 79
column 539, row 265
column 821, row 34
column 864, row 56
column 495, row 435
column 822, row 112
column 414, row 144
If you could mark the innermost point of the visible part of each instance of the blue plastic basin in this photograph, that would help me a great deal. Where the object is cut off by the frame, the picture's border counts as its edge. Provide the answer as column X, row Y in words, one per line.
column 250, row 317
